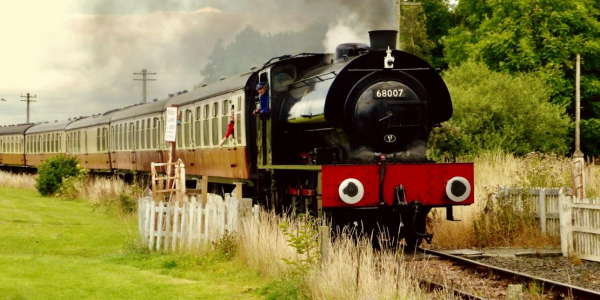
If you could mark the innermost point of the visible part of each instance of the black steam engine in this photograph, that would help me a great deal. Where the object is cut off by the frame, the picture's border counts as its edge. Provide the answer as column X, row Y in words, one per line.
column 347, row 138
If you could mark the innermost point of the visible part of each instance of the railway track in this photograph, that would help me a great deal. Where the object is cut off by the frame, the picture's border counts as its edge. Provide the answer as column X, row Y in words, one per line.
column 555, row 287
column 431, row 285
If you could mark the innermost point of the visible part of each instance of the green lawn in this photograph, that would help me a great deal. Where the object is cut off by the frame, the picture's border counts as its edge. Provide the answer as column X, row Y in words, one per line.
column 57, row 249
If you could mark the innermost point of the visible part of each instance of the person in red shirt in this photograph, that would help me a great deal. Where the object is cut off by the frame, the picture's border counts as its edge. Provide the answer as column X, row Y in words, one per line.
column 229, row 126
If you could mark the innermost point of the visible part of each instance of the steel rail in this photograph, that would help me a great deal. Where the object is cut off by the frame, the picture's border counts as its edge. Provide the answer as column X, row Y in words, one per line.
column 431, row 285
column 549, row 285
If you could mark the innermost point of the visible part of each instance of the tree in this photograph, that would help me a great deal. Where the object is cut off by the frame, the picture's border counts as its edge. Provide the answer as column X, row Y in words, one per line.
column 496, row 110
column 541, row 36
column 439, row 21
column 413, row 32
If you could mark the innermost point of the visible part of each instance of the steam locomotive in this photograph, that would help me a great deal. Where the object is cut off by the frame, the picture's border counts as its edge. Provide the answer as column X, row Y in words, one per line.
column 345, row 137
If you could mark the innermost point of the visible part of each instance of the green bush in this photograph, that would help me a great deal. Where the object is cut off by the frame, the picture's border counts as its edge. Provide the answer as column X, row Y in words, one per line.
column 53, row 171
column 499, row 111
column 127, row 203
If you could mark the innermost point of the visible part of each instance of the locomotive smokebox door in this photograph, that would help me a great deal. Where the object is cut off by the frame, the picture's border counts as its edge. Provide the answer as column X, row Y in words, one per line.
column 389, row 115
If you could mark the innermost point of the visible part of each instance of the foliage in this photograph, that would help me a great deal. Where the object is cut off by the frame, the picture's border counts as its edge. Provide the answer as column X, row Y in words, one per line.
column 69, row 187
column 506, row 221
column 590, row 137
column 499, row 111
column 282, row 289
column 123, row 202
column 544, row 170
column 413, row 37
column 439, row 20
column 535, row 36
column 53, row 171
column 226, row 247
column 304, row 240
column 251, row 47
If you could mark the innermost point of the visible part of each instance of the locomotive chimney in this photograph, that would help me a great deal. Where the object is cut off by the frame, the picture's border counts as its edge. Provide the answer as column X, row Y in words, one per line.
column 382, row 39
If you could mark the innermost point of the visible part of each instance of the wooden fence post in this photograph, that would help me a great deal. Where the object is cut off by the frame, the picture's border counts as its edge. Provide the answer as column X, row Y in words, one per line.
column 566, row 221
column 204, row 190
column 543, row 210
column 238, row 188
column 325, row 240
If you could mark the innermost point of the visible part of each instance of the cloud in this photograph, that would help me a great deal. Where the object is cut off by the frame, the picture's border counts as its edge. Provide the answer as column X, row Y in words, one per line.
column 79, row 56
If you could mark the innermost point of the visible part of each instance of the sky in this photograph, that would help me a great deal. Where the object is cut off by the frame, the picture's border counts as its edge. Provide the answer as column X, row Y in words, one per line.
column 78, row 56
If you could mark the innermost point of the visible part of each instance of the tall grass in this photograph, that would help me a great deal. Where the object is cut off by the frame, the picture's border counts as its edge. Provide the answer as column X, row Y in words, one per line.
column 497, row 228
column 103, row 192
column 353, row 269
column 17, row 181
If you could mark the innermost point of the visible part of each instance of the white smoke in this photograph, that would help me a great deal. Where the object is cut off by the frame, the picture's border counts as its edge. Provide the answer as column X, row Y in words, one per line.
column 341, row 33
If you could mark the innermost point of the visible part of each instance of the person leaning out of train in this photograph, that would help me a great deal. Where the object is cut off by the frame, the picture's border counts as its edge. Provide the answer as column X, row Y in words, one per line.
column 263, row 96
column 229, row 126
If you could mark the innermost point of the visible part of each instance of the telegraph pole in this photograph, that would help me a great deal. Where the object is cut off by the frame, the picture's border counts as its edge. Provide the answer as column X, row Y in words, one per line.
column 28, row 98
column 578, row 159
column 144, row 79
column 578, row 152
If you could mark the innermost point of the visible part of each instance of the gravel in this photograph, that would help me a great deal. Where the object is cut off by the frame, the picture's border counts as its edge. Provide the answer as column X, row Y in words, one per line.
column 576, row 272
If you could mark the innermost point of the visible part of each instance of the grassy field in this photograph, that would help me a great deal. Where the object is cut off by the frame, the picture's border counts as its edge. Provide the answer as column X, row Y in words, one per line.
column 56, row 249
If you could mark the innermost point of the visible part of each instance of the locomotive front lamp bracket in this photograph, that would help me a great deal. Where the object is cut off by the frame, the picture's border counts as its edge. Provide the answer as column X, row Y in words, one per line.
column 388, row 61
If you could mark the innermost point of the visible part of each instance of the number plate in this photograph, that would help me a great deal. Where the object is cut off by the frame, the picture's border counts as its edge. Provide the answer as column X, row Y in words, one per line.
column 388, row 93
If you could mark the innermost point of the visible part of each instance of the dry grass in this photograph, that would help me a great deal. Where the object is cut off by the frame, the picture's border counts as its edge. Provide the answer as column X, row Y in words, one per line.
column 106, row 192
column 17, row 181
column 495, row 169
column 353, row 271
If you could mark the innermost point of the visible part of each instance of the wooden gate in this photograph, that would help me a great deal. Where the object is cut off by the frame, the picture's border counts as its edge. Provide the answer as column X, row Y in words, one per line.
column 580, row 227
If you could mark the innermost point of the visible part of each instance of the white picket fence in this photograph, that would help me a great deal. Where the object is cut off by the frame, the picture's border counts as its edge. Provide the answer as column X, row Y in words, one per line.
column 576, row 220
column 543, row 202
column 186, row 225
column 580, row 227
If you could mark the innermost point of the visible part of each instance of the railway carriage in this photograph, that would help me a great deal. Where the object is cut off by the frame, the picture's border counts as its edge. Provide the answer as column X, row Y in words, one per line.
column 136, row 136
column 204, row 119
column 46, row 140
column 12, row 145
column 87, row 140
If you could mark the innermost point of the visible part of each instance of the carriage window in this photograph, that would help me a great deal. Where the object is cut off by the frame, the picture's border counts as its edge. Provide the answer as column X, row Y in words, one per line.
column 130, row 136
column 224, row 118
column 238, row 121
column 136, row 138
column 187, row 128
column 205, row 133
column 179, row 137
column 215, row 124
column 143, row 135
column 155, row 133
column 197, row 127
column 104, row 139
column 112, row 135
column 78, row 141
column 123, row 136
column 148, row 132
